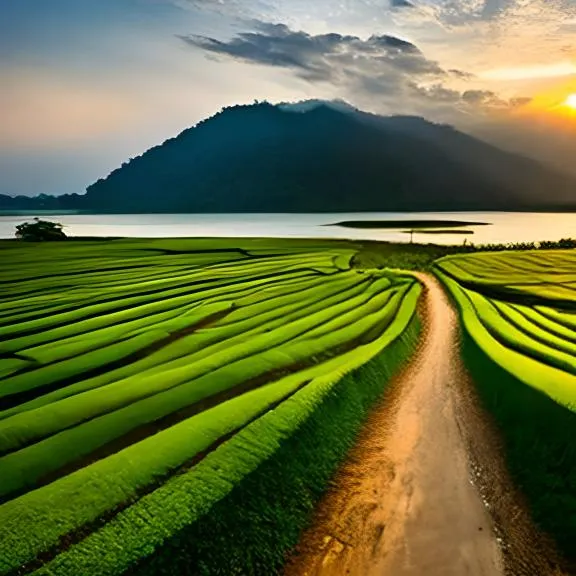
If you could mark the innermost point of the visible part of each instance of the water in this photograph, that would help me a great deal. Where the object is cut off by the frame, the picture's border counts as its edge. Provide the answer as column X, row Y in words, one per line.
column 504, row 226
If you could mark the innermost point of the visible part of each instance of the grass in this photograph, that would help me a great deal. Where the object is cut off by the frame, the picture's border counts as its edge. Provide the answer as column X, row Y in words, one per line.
column 505, row 331
column 255, row 522
column 538, row 439
column 118, row 408
column 519, row 347
column 141, row 384
column 490, row 337
column 162, row 400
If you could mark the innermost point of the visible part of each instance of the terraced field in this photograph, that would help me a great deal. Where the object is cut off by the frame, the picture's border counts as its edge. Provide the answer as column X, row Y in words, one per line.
column 518, row 311
column 154, row 395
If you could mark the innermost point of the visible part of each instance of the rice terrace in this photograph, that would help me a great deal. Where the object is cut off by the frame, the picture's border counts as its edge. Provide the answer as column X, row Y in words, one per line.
column 236, row 406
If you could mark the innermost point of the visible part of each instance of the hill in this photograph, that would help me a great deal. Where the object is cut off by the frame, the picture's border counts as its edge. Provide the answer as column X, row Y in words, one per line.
column 326, row 157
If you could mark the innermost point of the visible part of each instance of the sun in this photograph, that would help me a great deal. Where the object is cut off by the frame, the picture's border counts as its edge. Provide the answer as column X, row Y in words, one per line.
column 571, row 101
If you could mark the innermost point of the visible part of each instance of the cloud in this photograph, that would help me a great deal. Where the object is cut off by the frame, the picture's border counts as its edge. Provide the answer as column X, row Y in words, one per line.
column 437, row 93
column 237, row 8
column 463, row 12
column 353, row 16
column 385, row 69
column 482, row 97
column 328, row 57
column 520, row 101
column 513, row 29
column 461, row 74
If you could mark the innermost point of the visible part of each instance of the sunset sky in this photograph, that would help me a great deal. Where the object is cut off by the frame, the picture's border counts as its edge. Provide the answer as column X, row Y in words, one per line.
column 87, row 84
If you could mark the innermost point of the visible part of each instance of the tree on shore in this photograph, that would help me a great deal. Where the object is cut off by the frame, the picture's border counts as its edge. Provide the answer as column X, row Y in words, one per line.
column 40, row 230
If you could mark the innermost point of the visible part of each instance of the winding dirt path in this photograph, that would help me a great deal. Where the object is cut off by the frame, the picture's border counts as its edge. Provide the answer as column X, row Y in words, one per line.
column 404, row 502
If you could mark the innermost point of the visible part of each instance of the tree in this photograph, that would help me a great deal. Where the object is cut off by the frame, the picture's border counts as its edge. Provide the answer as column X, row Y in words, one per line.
column 40, row 230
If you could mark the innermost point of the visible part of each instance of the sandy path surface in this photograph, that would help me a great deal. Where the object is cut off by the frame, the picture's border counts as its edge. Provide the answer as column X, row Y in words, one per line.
column 404, row 503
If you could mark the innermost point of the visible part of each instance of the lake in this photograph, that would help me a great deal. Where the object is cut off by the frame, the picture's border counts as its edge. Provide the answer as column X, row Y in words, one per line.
column 504, row 226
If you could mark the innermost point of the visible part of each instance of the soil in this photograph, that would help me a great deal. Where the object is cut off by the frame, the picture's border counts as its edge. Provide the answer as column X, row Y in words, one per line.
column 425, row 490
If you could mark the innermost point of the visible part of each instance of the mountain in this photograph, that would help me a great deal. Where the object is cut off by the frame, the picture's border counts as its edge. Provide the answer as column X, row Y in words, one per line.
column 320, row 156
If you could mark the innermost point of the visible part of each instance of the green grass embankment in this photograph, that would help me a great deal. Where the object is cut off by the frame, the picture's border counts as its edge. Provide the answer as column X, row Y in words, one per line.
column 539, row 440
column 521, row 358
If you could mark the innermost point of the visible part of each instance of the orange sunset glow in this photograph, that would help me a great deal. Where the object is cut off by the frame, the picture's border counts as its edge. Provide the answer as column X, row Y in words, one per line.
column 554, row 108
column 571, row 101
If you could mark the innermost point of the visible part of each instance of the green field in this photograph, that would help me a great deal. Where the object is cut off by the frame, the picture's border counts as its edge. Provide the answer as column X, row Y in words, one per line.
column 152, row 391
column 518, row 312
column 165, row 400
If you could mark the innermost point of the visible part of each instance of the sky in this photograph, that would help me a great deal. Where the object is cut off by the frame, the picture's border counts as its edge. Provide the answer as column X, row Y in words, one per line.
column 88, row 84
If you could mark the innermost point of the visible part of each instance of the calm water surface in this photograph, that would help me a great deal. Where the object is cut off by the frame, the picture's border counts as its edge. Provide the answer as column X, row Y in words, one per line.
column 504, row 226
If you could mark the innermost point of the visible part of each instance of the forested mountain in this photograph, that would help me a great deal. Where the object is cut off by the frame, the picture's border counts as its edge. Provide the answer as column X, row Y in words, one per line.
column 324, row 157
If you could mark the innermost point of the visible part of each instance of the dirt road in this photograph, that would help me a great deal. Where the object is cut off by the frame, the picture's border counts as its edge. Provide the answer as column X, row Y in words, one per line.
column 404, row 503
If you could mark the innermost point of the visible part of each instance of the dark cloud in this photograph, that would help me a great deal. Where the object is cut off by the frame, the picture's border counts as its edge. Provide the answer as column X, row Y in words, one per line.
column 273, row 50
column 401, row 4
column 437, row 93
column 438, row 98
column 393, row 42
column 520, row 101
column 461, row 74
column 481, row 97
column 329, row 57
column 489, row 99
column 382, row 68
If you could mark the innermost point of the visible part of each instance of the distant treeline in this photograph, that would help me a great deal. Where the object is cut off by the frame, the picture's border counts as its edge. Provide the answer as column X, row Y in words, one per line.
column 542, row 245
column 41, row 202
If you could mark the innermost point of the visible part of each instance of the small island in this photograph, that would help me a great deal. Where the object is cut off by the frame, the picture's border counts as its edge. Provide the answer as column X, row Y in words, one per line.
column 414, row 224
